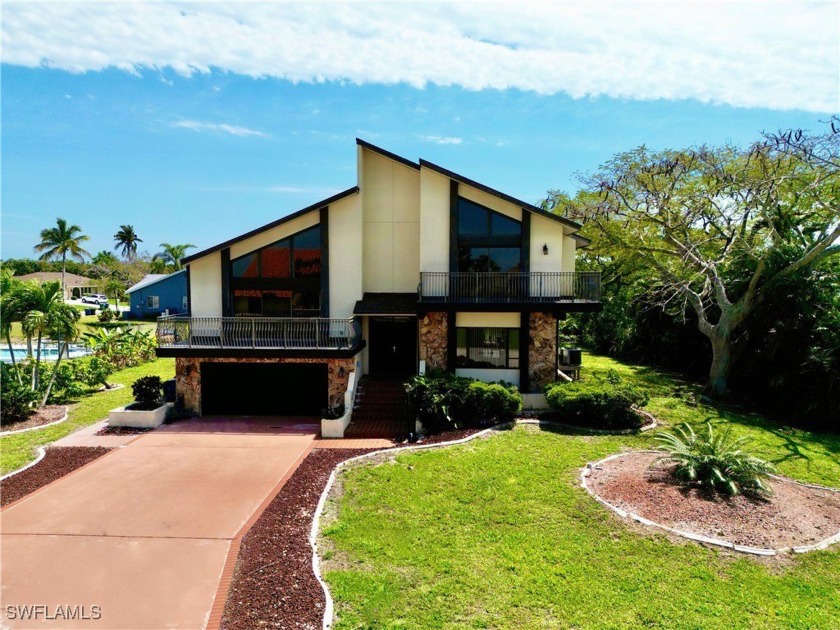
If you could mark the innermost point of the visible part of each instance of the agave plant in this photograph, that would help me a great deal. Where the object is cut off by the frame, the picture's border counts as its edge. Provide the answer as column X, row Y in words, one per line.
column 715, row 460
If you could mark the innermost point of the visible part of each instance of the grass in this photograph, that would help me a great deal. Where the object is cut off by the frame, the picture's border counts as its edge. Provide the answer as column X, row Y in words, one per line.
column 18, row 450
column 498, row 534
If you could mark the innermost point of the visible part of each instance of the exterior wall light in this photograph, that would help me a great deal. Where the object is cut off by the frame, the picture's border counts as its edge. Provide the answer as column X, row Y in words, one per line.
column 545, row 249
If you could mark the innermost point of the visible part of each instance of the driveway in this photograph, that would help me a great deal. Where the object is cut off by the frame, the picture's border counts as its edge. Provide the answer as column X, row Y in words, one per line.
column 143, row 533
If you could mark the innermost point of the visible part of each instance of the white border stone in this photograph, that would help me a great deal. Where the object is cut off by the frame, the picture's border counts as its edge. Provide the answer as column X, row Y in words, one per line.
column 758, row 551
column 40, row 456
column 40, row 426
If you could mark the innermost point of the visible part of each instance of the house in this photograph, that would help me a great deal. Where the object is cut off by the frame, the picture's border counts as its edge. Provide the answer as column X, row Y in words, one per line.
column 415, row 267
column 158, row 293
column 75, row 286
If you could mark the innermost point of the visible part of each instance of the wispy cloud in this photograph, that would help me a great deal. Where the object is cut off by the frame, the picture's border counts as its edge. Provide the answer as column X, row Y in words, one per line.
column 725, row 53
column 441, row 139
column 234, row 130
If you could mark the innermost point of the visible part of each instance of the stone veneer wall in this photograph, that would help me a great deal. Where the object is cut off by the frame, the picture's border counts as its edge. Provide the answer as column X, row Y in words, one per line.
column 542, row 350
column 188, row 376
column 433, row 340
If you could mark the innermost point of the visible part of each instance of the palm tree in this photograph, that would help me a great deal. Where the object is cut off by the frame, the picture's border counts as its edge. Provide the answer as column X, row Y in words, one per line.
column 158, row 265
column 60, row 241
column 172, row 254
column 9, row 311
column 46, row 314
column 127, row 239
column 116, row 287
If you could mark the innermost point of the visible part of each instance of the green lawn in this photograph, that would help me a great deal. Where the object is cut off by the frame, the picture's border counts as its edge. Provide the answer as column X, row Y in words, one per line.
column 498, row 534
column 18, row 450
column 84, row 326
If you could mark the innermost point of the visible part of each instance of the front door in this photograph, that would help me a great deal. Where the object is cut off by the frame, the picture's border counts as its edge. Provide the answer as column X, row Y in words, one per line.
column 393, row 346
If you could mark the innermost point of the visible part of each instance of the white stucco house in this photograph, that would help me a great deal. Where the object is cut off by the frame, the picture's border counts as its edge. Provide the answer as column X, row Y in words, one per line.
column 415, row 267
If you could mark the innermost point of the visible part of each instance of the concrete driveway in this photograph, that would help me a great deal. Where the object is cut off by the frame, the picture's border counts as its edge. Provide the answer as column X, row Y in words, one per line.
column 143, row 534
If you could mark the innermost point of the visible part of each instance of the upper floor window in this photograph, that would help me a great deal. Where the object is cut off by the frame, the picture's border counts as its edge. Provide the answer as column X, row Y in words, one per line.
column 298, row 256
column 487, row 240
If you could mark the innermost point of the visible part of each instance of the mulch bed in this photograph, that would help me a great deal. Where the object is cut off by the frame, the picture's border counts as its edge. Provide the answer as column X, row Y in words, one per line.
column 45, row 415
column 58, row 461
column 793, row 516
column 123, row 431
column 273, row 584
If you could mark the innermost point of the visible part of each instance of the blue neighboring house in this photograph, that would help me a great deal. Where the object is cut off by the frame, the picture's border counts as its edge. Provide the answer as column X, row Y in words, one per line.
column 159, row 292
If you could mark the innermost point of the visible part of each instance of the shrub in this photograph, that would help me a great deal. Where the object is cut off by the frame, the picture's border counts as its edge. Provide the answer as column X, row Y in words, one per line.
column 715, row 461
column 148, row 392
column 106, row 315
column 17, row 402
column 98, row 371
column 445, row 401
column 597, row 404
column 333, row 412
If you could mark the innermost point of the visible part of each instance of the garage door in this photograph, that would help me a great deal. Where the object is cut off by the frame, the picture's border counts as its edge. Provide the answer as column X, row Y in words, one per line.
column 263, row 389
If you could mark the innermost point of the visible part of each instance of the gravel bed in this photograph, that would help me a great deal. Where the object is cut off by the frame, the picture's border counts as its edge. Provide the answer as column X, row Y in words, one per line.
column 58, row 461
column 45, row 415
column 795, row 515
column 273, row 585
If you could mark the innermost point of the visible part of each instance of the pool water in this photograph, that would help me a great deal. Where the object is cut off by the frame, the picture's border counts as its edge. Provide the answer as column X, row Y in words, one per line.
column 48, row 353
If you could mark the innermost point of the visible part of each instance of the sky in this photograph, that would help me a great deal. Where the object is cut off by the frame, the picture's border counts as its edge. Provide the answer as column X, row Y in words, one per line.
column 196, row 122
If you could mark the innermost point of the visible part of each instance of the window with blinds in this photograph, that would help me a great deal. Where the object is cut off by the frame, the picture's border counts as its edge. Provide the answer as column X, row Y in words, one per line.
column 488, row 348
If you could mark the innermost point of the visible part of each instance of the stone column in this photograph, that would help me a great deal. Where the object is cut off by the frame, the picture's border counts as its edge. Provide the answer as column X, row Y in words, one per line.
column 433, row 346
column 188, row 383
column 542, row 349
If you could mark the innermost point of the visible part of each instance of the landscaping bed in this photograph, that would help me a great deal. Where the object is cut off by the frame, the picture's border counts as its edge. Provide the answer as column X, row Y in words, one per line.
column 795, row 514
column 273, row 584
column 58, row 461
column 124, row 431
column 45, row 415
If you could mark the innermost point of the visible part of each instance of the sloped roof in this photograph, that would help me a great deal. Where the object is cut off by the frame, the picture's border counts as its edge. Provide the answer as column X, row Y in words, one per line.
column 153, row 278
column 71, row 279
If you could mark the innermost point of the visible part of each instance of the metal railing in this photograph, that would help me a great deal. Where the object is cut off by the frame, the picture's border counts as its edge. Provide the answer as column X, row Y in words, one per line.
column 468, row 286
column 282, row 333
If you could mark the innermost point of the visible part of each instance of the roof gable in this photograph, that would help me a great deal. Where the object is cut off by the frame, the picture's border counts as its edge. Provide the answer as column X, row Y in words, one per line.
column 153, row 278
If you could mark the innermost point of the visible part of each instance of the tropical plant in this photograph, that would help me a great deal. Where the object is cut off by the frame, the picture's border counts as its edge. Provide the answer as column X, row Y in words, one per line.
column 172, row 254
column 715, row 461
column 17, row 401
column 61, row 241
column 127, row 240
column 9, row 311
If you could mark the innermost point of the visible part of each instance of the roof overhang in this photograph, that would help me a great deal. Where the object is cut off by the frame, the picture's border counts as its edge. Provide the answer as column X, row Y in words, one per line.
column 289, row 217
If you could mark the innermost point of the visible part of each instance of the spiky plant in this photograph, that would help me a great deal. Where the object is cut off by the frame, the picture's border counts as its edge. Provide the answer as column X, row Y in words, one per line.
column 715, row 460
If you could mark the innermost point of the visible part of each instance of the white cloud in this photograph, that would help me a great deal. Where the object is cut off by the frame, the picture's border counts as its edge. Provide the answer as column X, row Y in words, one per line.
column 441, row 139
column 774, row 55
column 196, row 125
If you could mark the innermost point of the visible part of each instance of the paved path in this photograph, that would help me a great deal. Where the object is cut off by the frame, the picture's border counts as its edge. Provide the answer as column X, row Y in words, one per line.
column 144, row 532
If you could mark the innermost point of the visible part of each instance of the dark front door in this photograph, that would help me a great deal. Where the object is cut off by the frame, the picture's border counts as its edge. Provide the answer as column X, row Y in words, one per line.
column 393, row 345
column 263, row 389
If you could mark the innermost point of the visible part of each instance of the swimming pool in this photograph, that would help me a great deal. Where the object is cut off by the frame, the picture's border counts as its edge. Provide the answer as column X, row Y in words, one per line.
column 48, row 352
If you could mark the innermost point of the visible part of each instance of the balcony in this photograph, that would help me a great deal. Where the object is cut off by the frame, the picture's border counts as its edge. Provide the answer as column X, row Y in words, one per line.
column 464, row 287
column 177, row 334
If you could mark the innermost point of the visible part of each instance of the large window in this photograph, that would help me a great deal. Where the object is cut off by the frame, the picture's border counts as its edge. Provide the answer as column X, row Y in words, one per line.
column 298, row 256
column 493, row 348
column 487, row 241
column 279, row 280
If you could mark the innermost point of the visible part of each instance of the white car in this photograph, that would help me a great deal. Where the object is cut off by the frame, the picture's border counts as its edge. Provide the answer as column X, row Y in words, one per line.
column 96, row 298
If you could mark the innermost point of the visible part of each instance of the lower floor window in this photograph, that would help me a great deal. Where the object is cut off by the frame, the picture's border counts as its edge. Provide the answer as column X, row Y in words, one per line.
column 276, row 303
column 152, row 301
column 487, row 348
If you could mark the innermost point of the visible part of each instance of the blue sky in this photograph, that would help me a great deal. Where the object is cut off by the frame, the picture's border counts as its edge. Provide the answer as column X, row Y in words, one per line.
column 204, row 132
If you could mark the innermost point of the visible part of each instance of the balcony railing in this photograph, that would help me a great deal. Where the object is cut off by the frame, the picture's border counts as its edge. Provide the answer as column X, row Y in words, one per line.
column 279, row 333
column 536, row 287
